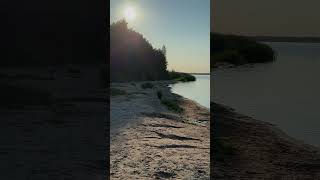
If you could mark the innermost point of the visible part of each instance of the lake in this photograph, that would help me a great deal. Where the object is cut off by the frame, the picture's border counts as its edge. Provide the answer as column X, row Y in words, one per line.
column 285, row 92
column 198, row 90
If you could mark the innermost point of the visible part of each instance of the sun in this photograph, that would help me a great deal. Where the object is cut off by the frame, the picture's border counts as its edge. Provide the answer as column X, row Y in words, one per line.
column 130, row 13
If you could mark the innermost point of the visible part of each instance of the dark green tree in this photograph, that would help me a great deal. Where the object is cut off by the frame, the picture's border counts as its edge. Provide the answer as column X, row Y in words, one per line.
column 132, row 57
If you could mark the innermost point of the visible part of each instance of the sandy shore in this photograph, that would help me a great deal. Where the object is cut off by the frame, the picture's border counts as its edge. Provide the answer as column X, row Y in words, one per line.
column 245, row 148
column 150, row 142
column 63, row 138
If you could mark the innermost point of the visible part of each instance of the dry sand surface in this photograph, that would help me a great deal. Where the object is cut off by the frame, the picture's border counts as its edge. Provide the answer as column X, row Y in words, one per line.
column 150, row 142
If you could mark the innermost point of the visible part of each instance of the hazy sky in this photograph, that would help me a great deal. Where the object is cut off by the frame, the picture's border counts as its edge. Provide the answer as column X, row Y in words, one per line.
column 266, row 17
column 183, row 26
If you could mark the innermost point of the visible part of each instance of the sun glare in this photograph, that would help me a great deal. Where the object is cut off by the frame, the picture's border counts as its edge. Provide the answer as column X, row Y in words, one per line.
column 130, row 13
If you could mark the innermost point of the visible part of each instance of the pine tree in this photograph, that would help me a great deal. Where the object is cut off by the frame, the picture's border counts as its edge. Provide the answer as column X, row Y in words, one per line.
column 164, row 50
column 132, row 57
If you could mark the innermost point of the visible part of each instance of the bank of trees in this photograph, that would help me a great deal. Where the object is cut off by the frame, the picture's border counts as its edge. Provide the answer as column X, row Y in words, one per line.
column 239, row 50
column 133, row 58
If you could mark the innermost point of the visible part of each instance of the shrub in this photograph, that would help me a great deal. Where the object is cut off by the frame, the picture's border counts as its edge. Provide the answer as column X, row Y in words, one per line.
column 147, row 85
column 230, row 56
column 224, row 147
column 183, row 77
column 117, row 92
column 186, row 78
column 172, row 105
column 159, row 94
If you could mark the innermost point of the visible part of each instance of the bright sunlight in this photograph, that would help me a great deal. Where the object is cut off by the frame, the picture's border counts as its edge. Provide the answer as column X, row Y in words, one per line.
column 130, row 13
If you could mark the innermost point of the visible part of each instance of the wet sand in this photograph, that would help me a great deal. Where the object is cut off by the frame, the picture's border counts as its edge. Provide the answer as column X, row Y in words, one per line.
column 245, row 148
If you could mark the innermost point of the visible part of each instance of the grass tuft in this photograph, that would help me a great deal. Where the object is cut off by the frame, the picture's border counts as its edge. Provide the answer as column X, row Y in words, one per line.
column 172, row 105
column 147, row 85
column 224, row 147
column 117, row 92
column 159, row 94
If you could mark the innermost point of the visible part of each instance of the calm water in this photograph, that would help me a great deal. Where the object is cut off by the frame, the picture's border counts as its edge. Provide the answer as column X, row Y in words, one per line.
column 198, row 90
column 285, row 93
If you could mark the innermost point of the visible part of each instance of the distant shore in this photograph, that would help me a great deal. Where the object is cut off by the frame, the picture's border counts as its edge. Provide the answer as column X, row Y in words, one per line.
column 150, row 140
column 238, row 50
column 199, row 73
column 286, row 39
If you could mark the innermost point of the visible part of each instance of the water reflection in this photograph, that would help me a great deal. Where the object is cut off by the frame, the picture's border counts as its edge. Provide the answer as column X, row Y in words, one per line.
column 285, row 93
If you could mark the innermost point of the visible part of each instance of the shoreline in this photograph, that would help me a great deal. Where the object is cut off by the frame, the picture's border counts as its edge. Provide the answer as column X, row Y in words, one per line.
column 54, row 137
column 157, row 142
column 248, row 148
column 195, row 102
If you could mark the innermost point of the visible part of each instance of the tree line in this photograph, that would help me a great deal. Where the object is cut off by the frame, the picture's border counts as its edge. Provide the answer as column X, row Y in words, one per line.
column 133, row 58
column 239, row 50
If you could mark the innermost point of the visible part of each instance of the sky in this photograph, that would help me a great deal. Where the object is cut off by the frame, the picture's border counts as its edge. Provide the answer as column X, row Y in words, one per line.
column 183, row 26
column 266, row 17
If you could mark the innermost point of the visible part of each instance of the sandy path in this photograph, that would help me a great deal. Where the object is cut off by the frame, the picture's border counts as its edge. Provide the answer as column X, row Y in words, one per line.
column 126, row 110
column 159, row 144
